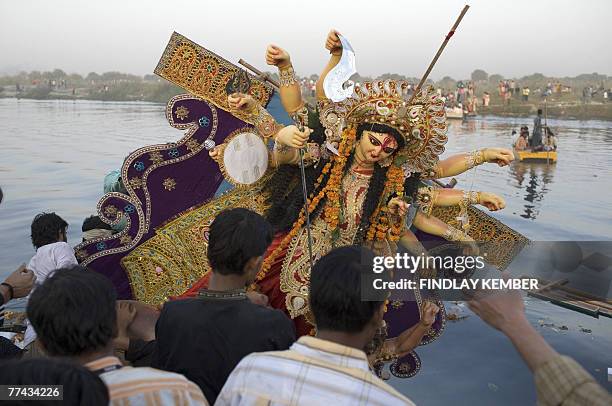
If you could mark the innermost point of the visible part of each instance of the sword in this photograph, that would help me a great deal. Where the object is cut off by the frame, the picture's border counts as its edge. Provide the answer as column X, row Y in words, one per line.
column 300, row 117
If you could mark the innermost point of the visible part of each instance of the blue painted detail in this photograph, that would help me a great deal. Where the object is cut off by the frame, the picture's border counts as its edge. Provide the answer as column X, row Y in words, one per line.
column 204, row 121
column 139, row 166
column 129, row 209
column 101, row 246
column 173, row 153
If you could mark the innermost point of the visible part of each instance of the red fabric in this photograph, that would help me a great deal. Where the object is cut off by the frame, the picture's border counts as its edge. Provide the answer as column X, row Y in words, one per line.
column 269, row 286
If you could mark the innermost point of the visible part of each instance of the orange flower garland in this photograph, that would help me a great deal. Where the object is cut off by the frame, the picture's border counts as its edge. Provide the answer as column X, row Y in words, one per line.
column 331, row 191
column 380, row 224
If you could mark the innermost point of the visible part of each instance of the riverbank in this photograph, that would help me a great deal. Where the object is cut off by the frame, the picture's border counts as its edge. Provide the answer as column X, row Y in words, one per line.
column 593, row 111
column 163, row 92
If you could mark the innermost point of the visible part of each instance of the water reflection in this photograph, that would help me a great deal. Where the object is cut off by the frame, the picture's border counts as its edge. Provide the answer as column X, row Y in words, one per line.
column 534, row 178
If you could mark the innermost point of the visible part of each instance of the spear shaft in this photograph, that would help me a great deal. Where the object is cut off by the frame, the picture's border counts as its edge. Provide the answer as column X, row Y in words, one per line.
column 435, row 59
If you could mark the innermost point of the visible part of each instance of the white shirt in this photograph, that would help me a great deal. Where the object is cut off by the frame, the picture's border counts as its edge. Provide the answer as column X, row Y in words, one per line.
column 311, row 372
column 48, row 258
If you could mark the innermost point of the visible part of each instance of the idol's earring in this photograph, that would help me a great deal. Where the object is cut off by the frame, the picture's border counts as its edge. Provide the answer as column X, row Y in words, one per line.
column 383, row 163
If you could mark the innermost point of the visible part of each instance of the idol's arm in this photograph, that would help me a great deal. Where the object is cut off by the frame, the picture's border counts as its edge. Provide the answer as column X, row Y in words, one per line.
column 434, row 226
column 409, row 241
column 287, row 139
column 429, row 197
column 290, row 92
column 460, row 163
column 334, row 46
column 409, row 339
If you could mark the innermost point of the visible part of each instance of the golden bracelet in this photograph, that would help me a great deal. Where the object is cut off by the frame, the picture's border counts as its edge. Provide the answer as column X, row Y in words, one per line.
column 452, row 234
column 287, row 76
column 427, row 197
column 435, row 172
column 475, row 158
column 265, row 123
column 471, row 198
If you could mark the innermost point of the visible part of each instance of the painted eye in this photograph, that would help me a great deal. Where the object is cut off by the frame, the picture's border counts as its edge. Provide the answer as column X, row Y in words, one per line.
column 388, row 150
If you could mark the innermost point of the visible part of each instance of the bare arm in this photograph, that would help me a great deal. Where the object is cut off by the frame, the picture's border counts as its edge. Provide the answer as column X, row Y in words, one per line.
column 457, row 164
column 410, row 338
column 559, row 380
column 290, row 92
column 431, row 196
column 334, row 46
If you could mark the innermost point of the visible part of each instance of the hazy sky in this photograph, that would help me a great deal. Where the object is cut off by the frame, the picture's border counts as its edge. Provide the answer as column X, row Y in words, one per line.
column 510, row 37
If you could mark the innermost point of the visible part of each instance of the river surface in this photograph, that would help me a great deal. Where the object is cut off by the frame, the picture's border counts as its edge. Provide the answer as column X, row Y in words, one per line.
column 54, row 155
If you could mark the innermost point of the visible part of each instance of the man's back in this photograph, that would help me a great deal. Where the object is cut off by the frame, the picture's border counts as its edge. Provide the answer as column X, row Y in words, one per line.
column 312, row 372
column 145, row 386
column 51, row 257
column 47, row 259
column 204, row 339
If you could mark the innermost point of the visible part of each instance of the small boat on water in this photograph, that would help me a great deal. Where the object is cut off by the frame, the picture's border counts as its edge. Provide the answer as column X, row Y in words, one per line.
column 536, row 156
column 454, row 113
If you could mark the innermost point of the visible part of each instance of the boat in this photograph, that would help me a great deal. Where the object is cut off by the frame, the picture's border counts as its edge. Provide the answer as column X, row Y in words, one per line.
column 536, row 156
column 455, row 113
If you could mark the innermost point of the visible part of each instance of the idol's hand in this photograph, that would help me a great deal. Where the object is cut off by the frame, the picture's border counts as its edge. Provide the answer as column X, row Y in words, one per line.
column 333, row 44
column 398, row 207
column 500, row 156
column 277, row 56
column 491, row 201
column 428, row 313
column 291, row 136
column 217, row 152
column 241, row 102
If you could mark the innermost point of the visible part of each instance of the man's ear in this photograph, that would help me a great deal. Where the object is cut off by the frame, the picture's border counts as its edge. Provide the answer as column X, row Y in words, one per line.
column 379, row 315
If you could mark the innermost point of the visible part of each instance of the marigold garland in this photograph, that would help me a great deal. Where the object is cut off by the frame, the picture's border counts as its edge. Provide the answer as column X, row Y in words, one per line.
column 380, row 225
column 329, row 191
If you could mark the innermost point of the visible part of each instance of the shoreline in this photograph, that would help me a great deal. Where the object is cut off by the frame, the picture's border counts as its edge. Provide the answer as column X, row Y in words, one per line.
column 580, row 112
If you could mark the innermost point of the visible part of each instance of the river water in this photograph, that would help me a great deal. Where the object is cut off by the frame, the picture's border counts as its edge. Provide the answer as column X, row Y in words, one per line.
column 54, row 155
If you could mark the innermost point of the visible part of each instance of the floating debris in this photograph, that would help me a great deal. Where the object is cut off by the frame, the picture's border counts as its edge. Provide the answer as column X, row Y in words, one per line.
column 454, row 317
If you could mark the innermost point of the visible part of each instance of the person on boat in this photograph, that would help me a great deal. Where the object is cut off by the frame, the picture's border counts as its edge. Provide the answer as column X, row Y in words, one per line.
column 52, row 252
column 536, row 136
column 357, row 193
column 514, row 137
column 93, row 227
column 521, row 142
column 550, row 144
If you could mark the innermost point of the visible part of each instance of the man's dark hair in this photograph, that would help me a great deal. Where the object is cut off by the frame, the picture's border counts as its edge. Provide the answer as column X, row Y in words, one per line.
column 1, row 195
column 236, row 236
column 45, row 229
column 80, row 386
column 73, row 312
column 335, row 290
column 539, row 112
column 93, row 223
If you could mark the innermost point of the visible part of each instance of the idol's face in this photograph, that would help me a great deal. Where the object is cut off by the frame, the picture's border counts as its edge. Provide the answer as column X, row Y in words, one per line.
column 376, row 146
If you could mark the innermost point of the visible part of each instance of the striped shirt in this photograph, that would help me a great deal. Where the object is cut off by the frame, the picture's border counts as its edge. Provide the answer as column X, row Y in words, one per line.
column 145, row 386
column 311, row 372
